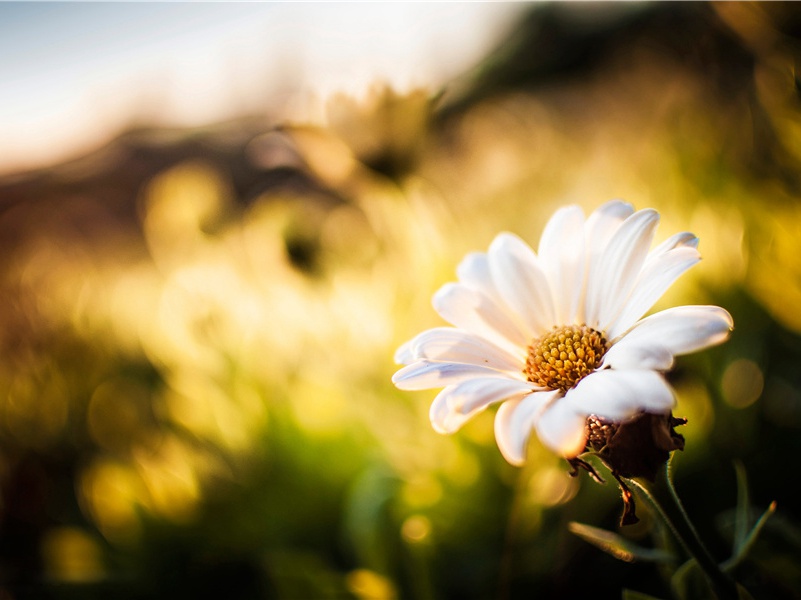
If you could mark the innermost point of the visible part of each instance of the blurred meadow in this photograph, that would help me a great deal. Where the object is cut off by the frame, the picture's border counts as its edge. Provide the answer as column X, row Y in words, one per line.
column 198, row 324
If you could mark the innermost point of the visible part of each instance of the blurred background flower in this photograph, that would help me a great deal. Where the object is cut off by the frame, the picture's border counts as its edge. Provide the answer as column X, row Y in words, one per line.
column 218, row 221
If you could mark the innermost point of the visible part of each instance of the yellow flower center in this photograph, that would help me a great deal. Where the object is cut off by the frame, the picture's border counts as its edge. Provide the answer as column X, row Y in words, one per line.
column 563, row 357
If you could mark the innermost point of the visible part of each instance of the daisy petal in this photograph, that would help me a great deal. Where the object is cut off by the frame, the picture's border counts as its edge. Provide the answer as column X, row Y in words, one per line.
column 638, row 354
column 604, row 222
column 617, row 394
column 678, row 240
column 454, row 405
column 404, row 355
column 454, row 345
column 521, row 282
column 474, row 311
column 683, row 329
column 619, row 266
column 601, row 225
column 561, row 429
column 442, row 418
column 657, row 276
column 474, row 272
column 424, row 375
column 514, row 422
column 561, row 253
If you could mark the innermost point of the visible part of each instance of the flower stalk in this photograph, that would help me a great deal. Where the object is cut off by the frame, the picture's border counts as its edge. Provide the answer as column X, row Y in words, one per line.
column 662, row 496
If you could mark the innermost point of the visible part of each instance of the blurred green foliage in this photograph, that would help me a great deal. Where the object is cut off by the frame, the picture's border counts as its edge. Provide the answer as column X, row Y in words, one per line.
column 197, row 328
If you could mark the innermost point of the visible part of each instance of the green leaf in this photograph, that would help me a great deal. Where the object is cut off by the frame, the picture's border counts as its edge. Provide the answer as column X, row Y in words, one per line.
column 618, row 546
column 742, row 512
column 688, row 583
column 749, row 540
column 685, row 578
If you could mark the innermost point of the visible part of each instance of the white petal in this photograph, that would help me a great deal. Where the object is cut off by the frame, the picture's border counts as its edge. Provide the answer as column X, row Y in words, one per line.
column 619, row 266
column 474, row 311
column 683, row 329
column 479, row 392
column 454, row 405
column 474, row 272
column 601, row 225
column 617, row 394
column 457, row 346
column 521, row 282
column 638, row 354
column 678, row 240
column 562, row 255
column 562, row 429
column 656, row 277
column 515, row 420
column 425, row 374
column 443, row 419
column 404, row 354
column 605, row 220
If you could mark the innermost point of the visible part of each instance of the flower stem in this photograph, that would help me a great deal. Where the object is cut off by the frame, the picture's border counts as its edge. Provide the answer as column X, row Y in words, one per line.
column 662, row 496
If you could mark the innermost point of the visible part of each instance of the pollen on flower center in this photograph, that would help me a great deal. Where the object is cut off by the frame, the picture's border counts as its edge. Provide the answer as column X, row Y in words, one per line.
column 563, row 357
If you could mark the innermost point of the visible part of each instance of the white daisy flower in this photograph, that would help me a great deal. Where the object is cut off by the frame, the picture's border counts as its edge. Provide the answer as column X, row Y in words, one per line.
column 558, row 335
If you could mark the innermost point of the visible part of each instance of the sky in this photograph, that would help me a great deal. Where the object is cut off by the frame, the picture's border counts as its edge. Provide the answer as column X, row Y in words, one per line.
column 74, row 74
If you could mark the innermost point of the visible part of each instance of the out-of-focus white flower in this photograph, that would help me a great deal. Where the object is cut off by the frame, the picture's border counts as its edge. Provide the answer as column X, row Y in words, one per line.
column 558, row 335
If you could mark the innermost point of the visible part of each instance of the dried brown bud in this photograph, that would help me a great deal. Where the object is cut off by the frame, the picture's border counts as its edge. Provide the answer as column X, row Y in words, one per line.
column 637, row 447
column 634, row 448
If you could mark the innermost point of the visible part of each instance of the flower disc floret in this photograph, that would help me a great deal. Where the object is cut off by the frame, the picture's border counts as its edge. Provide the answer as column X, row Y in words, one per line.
column 565, row 356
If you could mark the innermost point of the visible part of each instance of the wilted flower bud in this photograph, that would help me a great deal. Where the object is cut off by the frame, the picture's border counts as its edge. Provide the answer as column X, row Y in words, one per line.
column 637, row 447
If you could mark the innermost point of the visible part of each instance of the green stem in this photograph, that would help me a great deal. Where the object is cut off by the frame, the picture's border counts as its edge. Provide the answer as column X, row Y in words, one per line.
column 662, row 496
